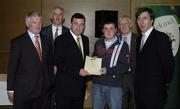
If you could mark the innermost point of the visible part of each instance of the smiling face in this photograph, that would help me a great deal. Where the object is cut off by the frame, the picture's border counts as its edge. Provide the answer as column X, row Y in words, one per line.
column 124, row 26
column 34, row 24
column 144, row 22
column 77, row 26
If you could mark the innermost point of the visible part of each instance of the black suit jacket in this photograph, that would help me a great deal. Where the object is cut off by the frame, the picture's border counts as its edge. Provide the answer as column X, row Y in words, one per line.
column 154, row 68
column 47, row 31
column 27, row 76
column 69, row 61
column 133, row 52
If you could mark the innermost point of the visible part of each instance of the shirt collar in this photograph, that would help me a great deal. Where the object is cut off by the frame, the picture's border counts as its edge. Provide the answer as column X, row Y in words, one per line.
column 147, row 33
column 75, row 36
column 54, row 27
column 32, row 34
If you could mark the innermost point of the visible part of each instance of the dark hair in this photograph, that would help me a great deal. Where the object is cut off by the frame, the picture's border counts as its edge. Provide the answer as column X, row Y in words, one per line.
column 109, row 22
column 79, row 16
column 145, row 9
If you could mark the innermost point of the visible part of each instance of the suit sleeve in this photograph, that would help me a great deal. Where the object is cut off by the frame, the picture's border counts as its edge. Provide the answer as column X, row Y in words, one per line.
column 166, row 58
column 13, row 64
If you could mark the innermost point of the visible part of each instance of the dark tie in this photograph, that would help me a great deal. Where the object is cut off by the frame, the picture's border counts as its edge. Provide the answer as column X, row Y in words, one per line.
column 56, row 33
column 125, row 39
column 38, row 49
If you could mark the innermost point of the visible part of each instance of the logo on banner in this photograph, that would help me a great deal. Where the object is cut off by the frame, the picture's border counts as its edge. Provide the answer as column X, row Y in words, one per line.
column 169, row 25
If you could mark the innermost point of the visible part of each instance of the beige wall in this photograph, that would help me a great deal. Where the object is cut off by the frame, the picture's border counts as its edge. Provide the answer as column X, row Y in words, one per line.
column 12, row 14
column 86, row 7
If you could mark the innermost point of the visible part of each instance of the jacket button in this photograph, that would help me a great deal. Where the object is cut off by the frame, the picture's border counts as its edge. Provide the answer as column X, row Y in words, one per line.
column 114, row 76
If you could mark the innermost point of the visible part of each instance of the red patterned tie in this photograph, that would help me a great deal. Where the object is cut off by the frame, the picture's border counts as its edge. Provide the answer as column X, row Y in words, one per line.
column 37, row 46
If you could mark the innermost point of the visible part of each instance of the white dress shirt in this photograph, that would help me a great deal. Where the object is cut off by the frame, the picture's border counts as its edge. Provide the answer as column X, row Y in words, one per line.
column 54, row 30
column 32, row 36
column 146, row 34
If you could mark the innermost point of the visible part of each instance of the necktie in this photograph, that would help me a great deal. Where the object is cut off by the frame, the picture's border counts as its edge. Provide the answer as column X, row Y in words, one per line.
column 125, row 39
column 78, row 43
column 38, row 49
column 142, row 41
column 56, row 33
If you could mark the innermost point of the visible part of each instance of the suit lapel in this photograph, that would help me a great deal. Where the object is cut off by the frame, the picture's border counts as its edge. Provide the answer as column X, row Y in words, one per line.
column 133, row 44
column 31, row 46
column 84, row 45
column 43, row 47
column 148, row 41
column 50, row 33
column 75, row 44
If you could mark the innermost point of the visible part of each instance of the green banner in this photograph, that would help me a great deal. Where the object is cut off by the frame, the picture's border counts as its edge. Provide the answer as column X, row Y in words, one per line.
column 168, row 21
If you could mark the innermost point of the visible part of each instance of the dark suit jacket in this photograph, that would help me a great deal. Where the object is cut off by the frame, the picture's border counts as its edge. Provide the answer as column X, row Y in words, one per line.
column 47, row 31
column 27, row 76
column 133, row 52
column 69, row 61
column 154, row 69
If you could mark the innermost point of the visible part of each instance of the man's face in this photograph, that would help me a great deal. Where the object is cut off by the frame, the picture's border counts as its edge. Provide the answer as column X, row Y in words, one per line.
column 124, row 26
column 57, row 17
column 77, row 26
column 144, row 22
column 109, row 31
column 34, row 24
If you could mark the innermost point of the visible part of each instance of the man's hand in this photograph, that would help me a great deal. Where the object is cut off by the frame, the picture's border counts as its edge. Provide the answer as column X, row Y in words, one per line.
column 103, row 71
column 84, row 72
column 55, row 70
column 10, row 96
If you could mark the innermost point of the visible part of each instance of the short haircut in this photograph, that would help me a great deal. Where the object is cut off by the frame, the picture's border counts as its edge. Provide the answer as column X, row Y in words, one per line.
column 109, row 22
column 31, row 14
column 78, row 16
column 56, row 7
column 126, row 17
column 145, row 9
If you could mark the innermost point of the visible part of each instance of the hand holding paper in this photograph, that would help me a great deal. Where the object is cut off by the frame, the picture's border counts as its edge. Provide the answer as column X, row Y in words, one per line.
column 93, row 65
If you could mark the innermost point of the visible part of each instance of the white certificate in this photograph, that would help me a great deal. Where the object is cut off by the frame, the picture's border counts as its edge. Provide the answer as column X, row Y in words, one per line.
column 93, row 65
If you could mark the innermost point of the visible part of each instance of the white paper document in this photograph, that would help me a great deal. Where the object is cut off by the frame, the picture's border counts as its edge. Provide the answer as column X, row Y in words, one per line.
column 93, row 65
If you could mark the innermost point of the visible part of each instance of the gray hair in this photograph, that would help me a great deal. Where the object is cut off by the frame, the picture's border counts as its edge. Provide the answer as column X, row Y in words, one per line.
column 126, row 17
column 54, row 8
column 31, row 14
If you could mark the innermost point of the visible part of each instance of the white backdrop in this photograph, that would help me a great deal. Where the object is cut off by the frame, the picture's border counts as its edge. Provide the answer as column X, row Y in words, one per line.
column 3, row 93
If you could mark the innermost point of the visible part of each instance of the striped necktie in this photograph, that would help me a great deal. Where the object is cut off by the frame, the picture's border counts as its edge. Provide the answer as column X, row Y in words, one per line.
column 78, row 43
column 38, row 49
column 56, row 33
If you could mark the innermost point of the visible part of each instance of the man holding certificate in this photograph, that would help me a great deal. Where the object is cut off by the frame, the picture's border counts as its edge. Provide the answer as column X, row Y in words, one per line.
column 107, row 87
column 70, row 50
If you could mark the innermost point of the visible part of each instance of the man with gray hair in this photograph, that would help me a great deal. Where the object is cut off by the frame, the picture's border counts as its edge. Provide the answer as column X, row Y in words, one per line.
column 29, row 77
column 56, row 27
column 125, row 26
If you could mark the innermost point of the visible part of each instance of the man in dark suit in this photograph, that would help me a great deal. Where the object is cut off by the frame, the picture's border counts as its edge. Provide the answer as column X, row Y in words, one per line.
column 154, row 64
column 56, row 28
column 29, row 70
column 125, row 26
column 70, row 50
